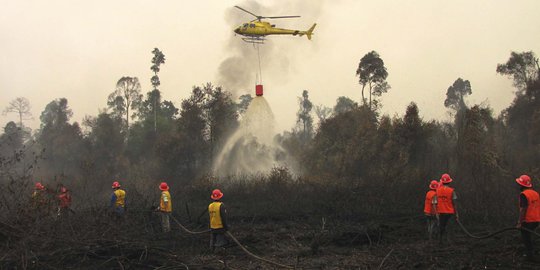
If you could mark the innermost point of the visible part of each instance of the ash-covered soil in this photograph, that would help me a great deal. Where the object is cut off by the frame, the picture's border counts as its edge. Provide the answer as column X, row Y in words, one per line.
column 95, row 240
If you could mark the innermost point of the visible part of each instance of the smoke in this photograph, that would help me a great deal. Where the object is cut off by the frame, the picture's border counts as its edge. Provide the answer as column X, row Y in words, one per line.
column 238, row 72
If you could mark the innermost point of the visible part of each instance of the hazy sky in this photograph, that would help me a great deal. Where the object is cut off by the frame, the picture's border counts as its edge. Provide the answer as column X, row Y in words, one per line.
column 79, row 50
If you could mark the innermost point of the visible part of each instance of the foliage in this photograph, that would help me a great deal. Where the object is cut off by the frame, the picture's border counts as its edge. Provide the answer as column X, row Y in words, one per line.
column 60, row 140
column 126, row 96
column 455, row 95
column 344, row 104
column 522, row 67
column 372, row 73
column 105, row 144
column 242, row 106
column 157, row 60
column 304, row 119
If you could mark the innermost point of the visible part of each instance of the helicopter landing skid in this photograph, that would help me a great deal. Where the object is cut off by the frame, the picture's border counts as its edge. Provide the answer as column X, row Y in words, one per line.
column 254, row 40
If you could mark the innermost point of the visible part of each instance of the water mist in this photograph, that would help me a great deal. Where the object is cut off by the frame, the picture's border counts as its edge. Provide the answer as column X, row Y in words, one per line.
column 251, row 148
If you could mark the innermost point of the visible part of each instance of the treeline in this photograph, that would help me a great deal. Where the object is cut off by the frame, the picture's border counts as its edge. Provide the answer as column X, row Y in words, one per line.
column 350, row 159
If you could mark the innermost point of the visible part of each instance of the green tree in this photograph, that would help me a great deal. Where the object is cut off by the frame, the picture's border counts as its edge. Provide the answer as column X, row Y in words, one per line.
column 372, row 73
column 157, row 60
column 477, row 158
column 521, row 117
column 522, row 67
column 144, row 142
column 344, row 145
column 61, row 141
column 243, row 105
column 344, row 104
column 207, row 117
column 455, row 95
column 455, row 100
column 304, row 118
column 12, row 140
column 390, row 161
column 220, row 115
column 126, row 96
column 106, row 146
column 13, row 152
column 191, row 147
column 412, row 135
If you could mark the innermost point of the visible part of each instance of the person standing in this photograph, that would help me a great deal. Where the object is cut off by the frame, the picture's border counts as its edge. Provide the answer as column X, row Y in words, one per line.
column 429, row 208
column 64, row 201
column 218, row 220
column 39, row 196
column 529, row 214
column 165, row 207
column 40, row 201
column 118, row 200
column 445, row 204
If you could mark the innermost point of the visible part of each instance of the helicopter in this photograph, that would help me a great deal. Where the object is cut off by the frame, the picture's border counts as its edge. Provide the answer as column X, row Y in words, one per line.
column 256, row 30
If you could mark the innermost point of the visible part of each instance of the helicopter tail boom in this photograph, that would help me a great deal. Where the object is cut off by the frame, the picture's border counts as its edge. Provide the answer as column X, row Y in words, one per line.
column 310, row 31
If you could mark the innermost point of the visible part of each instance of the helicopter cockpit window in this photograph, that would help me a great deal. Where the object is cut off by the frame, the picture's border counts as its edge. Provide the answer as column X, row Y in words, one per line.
column 252, row 25
column 245, row 25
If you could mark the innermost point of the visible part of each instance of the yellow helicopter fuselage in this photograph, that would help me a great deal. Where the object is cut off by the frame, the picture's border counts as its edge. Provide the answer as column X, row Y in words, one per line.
column 261, row 29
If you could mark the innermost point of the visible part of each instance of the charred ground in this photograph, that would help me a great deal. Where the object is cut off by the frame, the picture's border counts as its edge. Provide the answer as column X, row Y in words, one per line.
column 296, row 231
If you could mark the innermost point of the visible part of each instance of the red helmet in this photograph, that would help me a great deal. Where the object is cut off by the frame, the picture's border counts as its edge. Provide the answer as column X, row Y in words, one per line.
column 216, row 194
column 163, row 186
column 434, row 184
column 39, row 186
column 524, row 180
column 445, row 178
column 115, row 184
column 63, row 190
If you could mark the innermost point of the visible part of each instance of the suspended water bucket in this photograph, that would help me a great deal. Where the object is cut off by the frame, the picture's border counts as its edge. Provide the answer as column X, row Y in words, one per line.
column 259, row 90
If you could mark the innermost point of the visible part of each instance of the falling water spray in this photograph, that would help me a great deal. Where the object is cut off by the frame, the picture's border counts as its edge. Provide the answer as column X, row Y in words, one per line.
column 251, row 148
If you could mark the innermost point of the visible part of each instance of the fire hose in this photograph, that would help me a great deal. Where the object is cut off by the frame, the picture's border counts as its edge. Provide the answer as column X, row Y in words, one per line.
column 494, row 233
column 187, row 230
column 236, row 241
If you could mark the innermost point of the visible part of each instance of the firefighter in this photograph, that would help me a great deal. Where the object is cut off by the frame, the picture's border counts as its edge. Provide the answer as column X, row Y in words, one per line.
column 118, row 200
column 40, row 201
column 445, row 204
column 165, row 207
column 429, row 208
column 39, row 196
column 64, row 201
column 218, row 220
column 529, row 213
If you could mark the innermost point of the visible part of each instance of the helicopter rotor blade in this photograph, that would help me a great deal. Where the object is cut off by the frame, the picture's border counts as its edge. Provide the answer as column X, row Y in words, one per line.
column 280, row 17
column 258, row 17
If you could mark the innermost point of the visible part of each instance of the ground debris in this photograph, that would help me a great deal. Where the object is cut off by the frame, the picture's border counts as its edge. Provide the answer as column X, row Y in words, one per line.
column 95, row 240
